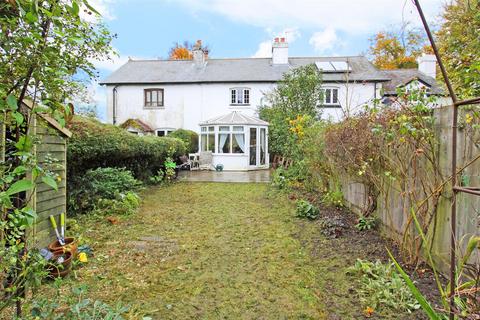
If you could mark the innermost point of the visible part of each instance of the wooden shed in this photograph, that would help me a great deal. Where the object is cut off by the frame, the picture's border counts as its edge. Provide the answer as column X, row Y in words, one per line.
column 51, row 151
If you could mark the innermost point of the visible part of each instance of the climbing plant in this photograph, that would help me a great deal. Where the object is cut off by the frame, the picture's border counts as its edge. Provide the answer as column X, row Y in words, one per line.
column 393, row 150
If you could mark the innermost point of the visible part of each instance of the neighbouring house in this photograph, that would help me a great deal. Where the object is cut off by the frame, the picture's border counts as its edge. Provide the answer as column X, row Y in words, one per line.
column 159, row 96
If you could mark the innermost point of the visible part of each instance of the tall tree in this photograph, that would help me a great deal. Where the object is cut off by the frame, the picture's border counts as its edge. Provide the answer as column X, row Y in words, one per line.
column 295, row 99
column 459, row 45
column 184, row 51
column 397, row 49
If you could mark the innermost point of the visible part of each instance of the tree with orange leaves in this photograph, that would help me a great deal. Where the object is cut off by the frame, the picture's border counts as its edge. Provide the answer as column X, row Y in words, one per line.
column 397, row 49
column 184, row 51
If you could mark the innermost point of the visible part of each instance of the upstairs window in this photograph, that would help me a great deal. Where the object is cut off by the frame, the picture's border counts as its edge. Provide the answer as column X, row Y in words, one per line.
column 240, row 96
column 153, row 98
column 330, row 97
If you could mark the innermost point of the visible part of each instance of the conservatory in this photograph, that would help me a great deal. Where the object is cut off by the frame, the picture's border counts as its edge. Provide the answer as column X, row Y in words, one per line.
column 237, row 141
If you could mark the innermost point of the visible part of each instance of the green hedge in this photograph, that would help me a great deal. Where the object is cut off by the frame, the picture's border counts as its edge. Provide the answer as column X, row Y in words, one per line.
column 94, row 145
column 189, row 137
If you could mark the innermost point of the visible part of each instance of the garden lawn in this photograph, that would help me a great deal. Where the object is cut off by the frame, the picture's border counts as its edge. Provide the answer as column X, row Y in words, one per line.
column 221, row 251
column 205, row 250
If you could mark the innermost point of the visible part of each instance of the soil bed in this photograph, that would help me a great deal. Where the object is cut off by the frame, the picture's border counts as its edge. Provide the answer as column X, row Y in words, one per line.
column 339, row 248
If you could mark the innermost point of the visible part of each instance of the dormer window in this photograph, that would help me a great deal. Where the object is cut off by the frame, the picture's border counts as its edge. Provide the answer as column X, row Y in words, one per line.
column 153, row 98
column 330, row 97
column 240, row 96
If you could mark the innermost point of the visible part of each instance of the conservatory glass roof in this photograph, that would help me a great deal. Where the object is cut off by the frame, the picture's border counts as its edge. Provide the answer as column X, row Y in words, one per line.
column 234, row 118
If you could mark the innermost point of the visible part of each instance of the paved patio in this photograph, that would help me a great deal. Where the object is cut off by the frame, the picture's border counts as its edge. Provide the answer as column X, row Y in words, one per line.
column 258, row 176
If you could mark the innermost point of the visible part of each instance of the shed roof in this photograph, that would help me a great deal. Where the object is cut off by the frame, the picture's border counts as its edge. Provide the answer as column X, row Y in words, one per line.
column 236, row 70
column 51, row 121
column 234, row 118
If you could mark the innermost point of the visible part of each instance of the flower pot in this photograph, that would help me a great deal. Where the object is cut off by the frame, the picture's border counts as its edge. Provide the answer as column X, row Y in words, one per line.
column 70, row 246
column 60, row 269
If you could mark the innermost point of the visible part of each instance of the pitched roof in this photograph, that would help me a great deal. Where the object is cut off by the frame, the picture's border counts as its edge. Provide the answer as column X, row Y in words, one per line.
column 137, row 123
column 45, row 116
column 234, row 118
column 234, row 70
column 401, row 77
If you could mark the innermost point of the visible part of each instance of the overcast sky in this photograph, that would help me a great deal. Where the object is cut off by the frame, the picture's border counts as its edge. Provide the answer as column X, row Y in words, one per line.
column 245, row 28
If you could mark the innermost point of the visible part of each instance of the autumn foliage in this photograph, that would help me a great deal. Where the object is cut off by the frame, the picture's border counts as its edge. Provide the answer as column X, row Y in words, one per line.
column 181, row 52
column 184, row 51
column 459, row 43
column 397, row 50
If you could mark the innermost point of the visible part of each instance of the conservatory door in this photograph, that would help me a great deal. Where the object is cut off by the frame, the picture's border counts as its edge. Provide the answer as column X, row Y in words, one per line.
column 253, row 147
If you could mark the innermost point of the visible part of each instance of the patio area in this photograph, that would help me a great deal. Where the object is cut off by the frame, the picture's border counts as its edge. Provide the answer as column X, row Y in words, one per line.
column 257, row 176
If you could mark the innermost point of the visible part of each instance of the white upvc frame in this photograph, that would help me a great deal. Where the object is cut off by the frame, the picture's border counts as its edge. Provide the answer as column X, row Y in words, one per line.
column 204, row 132
column 230, row 132
column 333, row 92
column 246, row 92
column 166, row 131
column 258, row 163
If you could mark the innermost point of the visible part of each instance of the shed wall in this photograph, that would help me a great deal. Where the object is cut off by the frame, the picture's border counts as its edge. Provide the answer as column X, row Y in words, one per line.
column 51, row 154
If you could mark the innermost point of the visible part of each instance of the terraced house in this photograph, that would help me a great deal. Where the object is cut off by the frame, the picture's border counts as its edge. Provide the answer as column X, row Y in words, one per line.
column 165, row 95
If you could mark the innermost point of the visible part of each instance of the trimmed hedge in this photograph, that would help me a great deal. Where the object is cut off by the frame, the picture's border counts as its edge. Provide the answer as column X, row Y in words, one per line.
column 94, row 145
column 189, row 137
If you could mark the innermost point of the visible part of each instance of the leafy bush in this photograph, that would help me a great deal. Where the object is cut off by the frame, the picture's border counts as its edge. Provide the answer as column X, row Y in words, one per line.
column 95, row 145
column 157, row 178
column 366, row 223
column 333, row 198
column 170, row 169
column 123, row 204
column 307, row 210
column 293, row 176
column 381, row 287
column 189, row 137
column 100, row 183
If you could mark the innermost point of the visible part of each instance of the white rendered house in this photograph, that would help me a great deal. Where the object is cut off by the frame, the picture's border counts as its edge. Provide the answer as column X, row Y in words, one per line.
column 166, row 95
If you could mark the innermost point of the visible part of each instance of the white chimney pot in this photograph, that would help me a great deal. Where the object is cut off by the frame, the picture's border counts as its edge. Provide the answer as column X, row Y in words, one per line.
column 427, row 64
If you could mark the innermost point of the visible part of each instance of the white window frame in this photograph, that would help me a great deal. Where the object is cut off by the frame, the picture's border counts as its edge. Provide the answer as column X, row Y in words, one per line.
column 331, row 102
column 166, row 131
column 242, row 99
column 231, row 132
column 205, row 133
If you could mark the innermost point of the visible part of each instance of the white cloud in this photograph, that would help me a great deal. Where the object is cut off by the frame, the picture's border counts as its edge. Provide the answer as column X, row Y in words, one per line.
column 264, row 50
column 324, row 40
column 360, row 16
column 265, row 47
column 111, row 64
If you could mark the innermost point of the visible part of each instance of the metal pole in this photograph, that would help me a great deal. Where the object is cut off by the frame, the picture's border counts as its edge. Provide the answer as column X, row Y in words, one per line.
column 453, row 215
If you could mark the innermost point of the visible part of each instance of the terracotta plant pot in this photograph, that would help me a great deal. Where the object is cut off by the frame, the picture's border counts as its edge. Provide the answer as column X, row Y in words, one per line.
column 70, row 246
column 60, row 270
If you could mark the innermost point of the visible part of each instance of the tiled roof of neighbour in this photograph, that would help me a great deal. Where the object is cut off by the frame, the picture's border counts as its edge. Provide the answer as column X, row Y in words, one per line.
column 234, row 118
column 137, row 123
column 234, row 70
column 401, row 77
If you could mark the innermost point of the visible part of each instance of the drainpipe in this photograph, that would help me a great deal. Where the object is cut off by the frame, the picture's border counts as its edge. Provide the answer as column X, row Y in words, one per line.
column 375, row 90
column 114, row 105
